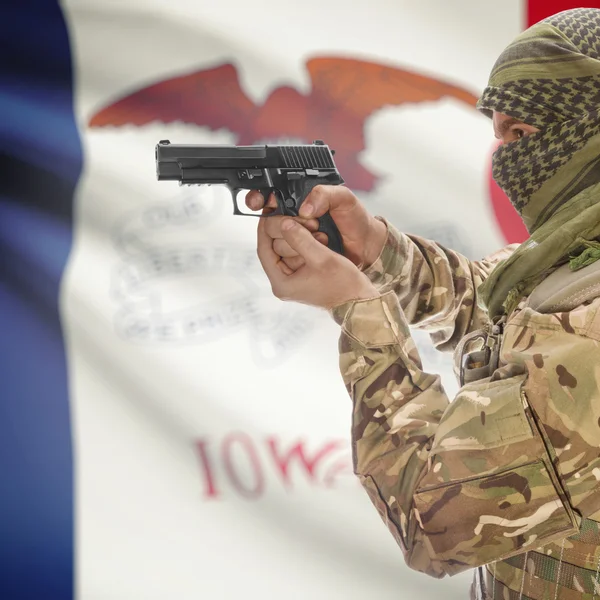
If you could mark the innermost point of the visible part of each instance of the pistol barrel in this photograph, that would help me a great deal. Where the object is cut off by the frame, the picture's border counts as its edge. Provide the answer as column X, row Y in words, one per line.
column 174, row 160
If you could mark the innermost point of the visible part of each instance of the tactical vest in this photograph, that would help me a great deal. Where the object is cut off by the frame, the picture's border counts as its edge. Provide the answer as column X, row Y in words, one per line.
column 567, row 570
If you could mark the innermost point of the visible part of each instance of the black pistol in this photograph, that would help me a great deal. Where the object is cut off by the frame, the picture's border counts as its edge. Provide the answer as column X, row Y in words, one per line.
column 288, row 172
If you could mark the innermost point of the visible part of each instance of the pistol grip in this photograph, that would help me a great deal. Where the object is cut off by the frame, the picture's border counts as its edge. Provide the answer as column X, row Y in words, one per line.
column 327, row 225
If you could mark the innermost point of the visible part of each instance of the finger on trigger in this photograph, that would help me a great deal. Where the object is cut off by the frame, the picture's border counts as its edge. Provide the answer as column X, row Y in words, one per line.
column 254, row 200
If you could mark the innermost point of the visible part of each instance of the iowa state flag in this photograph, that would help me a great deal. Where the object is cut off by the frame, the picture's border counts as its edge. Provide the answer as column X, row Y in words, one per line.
column 169, row 429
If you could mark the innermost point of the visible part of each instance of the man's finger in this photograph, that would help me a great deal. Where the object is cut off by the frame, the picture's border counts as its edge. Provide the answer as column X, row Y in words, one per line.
column 302, row 241
column 283, row 249
column 285, row 268
column 272, row 201
column 266, row 255
column 294, row 262
column 325, row 198
column 273, row 224
column 321, row 237
column 254, row 200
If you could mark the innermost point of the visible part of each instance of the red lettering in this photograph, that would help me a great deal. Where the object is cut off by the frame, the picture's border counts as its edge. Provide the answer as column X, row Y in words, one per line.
column 284, row 460
column 210, row 490
column 244, row 442
column 243, row 468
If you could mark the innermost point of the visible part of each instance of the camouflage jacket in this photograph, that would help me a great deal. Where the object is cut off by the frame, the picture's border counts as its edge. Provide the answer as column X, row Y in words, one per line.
column 513, row 461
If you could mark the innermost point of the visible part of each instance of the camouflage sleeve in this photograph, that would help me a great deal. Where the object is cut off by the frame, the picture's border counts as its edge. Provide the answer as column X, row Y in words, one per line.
column 436, row 287
column 459, row 484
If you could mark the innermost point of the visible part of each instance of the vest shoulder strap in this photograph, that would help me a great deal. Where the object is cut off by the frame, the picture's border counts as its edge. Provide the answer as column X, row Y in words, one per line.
column 564, row 289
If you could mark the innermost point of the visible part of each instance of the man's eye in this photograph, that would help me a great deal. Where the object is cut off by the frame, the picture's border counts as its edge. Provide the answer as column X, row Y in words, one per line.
column 519, row 133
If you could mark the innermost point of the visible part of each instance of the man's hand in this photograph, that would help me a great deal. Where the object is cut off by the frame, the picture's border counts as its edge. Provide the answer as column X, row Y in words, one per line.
column 363, row 235
column 326, row 279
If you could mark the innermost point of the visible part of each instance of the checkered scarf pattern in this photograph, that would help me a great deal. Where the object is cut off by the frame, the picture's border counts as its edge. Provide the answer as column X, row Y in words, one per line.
column 549, row 77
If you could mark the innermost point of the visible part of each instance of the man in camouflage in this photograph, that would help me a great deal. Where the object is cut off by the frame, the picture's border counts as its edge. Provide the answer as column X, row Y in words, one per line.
column 505, row 477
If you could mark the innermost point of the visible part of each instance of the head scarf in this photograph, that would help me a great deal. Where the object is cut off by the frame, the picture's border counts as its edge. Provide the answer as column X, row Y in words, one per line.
column 549, row 77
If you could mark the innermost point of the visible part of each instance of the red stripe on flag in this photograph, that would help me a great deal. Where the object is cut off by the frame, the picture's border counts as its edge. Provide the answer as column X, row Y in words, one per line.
column 540, row 9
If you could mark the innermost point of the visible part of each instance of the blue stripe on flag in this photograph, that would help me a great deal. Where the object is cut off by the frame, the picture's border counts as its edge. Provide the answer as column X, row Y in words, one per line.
column 40, row 163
